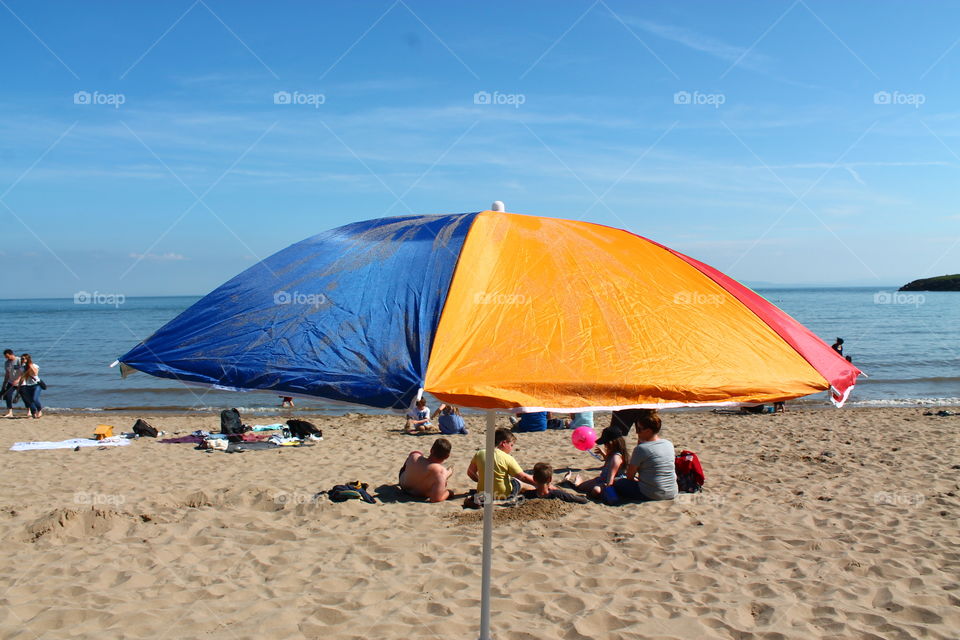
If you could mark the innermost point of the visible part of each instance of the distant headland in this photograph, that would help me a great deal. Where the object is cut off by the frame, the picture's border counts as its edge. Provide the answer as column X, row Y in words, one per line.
column 940, row 283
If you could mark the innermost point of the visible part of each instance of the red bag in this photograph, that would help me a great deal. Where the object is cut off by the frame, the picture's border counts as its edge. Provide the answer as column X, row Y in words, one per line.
column 689, row 472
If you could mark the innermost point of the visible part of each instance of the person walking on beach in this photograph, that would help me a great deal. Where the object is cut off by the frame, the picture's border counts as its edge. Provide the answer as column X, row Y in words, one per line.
column 29, row 385
column 425, row 476
column 10, row 376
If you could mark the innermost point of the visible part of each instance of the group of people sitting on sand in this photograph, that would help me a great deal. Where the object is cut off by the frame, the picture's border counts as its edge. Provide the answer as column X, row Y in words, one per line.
column 648, row 474
column 449, row 420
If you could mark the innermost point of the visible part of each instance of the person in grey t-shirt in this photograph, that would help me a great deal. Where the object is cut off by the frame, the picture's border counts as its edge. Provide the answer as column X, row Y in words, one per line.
column 651, row 473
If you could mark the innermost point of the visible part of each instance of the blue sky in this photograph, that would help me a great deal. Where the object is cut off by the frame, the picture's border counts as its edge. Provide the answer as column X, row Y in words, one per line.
column 149, row 147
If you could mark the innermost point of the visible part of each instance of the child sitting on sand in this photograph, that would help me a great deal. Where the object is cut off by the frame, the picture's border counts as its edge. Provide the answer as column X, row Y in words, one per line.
column 508, row 477
column 418, row 418
column 543, row 477
column 450, row 421
column 614, row 465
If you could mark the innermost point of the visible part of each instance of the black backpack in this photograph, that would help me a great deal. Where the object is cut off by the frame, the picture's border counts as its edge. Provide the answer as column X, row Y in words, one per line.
column 230, row 424
column 144, row 430
column 302, row 428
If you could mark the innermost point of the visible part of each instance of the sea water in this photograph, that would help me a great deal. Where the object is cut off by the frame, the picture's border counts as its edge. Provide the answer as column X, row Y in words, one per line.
column 907, row 344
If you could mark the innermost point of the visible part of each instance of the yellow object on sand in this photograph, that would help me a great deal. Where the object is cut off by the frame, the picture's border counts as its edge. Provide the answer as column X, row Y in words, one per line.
column 102, row 431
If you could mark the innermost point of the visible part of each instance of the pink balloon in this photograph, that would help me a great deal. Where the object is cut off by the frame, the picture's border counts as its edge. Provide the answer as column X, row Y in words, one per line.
column 583, row 438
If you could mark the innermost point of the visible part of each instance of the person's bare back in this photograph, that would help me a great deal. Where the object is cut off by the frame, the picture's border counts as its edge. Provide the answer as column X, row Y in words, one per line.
column 425, row 476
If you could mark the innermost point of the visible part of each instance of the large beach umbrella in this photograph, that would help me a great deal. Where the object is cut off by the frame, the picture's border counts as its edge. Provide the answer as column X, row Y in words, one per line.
column 492, row 310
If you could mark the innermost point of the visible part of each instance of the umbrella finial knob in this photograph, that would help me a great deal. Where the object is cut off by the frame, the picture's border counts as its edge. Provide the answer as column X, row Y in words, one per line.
column 497, row 206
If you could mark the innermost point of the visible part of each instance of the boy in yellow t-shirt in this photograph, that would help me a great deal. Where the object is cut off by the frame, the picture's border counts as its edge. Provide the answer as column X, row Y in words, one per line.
column 505, row 468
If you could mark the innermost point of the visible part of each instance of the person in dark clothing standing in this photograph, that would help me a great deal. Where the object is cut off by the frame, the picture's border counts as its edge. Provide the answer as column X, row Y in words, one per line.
column 10, row 376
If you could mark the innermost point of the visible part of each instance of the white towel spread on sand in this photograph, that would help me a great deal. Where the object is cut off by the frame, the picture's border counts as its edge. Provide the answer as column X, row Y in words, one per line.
column 116, row 441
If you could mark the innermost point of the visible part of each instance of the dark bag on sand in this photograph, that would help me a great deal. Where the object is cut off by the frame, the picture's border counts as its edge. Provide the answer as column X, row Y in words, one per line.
column 303, row 429
column 354, row 491
column 230, row 422
column 144, row 430
column 231, row 426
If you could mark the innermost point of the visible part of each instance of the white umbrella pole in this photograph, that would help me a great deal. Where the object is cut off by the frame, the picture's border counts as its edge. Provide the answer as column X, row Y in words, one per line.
column 487, row 528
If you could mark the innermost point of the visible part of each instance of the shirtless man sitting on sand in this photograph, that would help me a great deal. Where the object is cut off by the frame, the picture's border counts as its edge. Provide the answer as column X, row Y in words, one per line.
column 425, row 476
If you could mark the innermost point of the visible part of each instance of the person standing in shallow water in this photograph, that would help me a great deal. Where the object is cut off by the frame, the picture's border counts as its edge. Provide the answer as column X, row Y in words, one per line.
column 838, row 346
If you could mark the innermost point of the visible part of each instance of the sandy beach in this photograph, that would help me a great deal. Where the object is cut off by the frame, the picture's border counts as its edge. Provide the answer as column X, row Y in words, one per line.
column 813, row 524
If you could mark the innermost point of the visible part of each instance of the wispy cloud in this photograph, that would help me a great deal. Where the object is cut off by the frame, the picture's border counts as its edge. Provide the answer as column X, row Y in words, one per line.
column 856, row 176
column 380, row 85
column 742, row 57
column 866, row 163
column 705, row 44
column 158, row 257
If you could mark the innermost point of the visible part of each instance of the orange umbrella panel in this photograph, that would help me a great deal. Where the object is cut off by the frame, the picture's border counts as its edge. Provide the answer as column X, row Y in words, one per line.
column 547, row 313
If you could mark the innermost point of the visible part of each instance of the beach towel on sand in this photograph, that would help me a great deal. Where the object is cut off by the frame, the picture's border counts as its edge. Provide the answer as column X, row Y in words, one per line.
column 116, row 441
column 268, row 427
